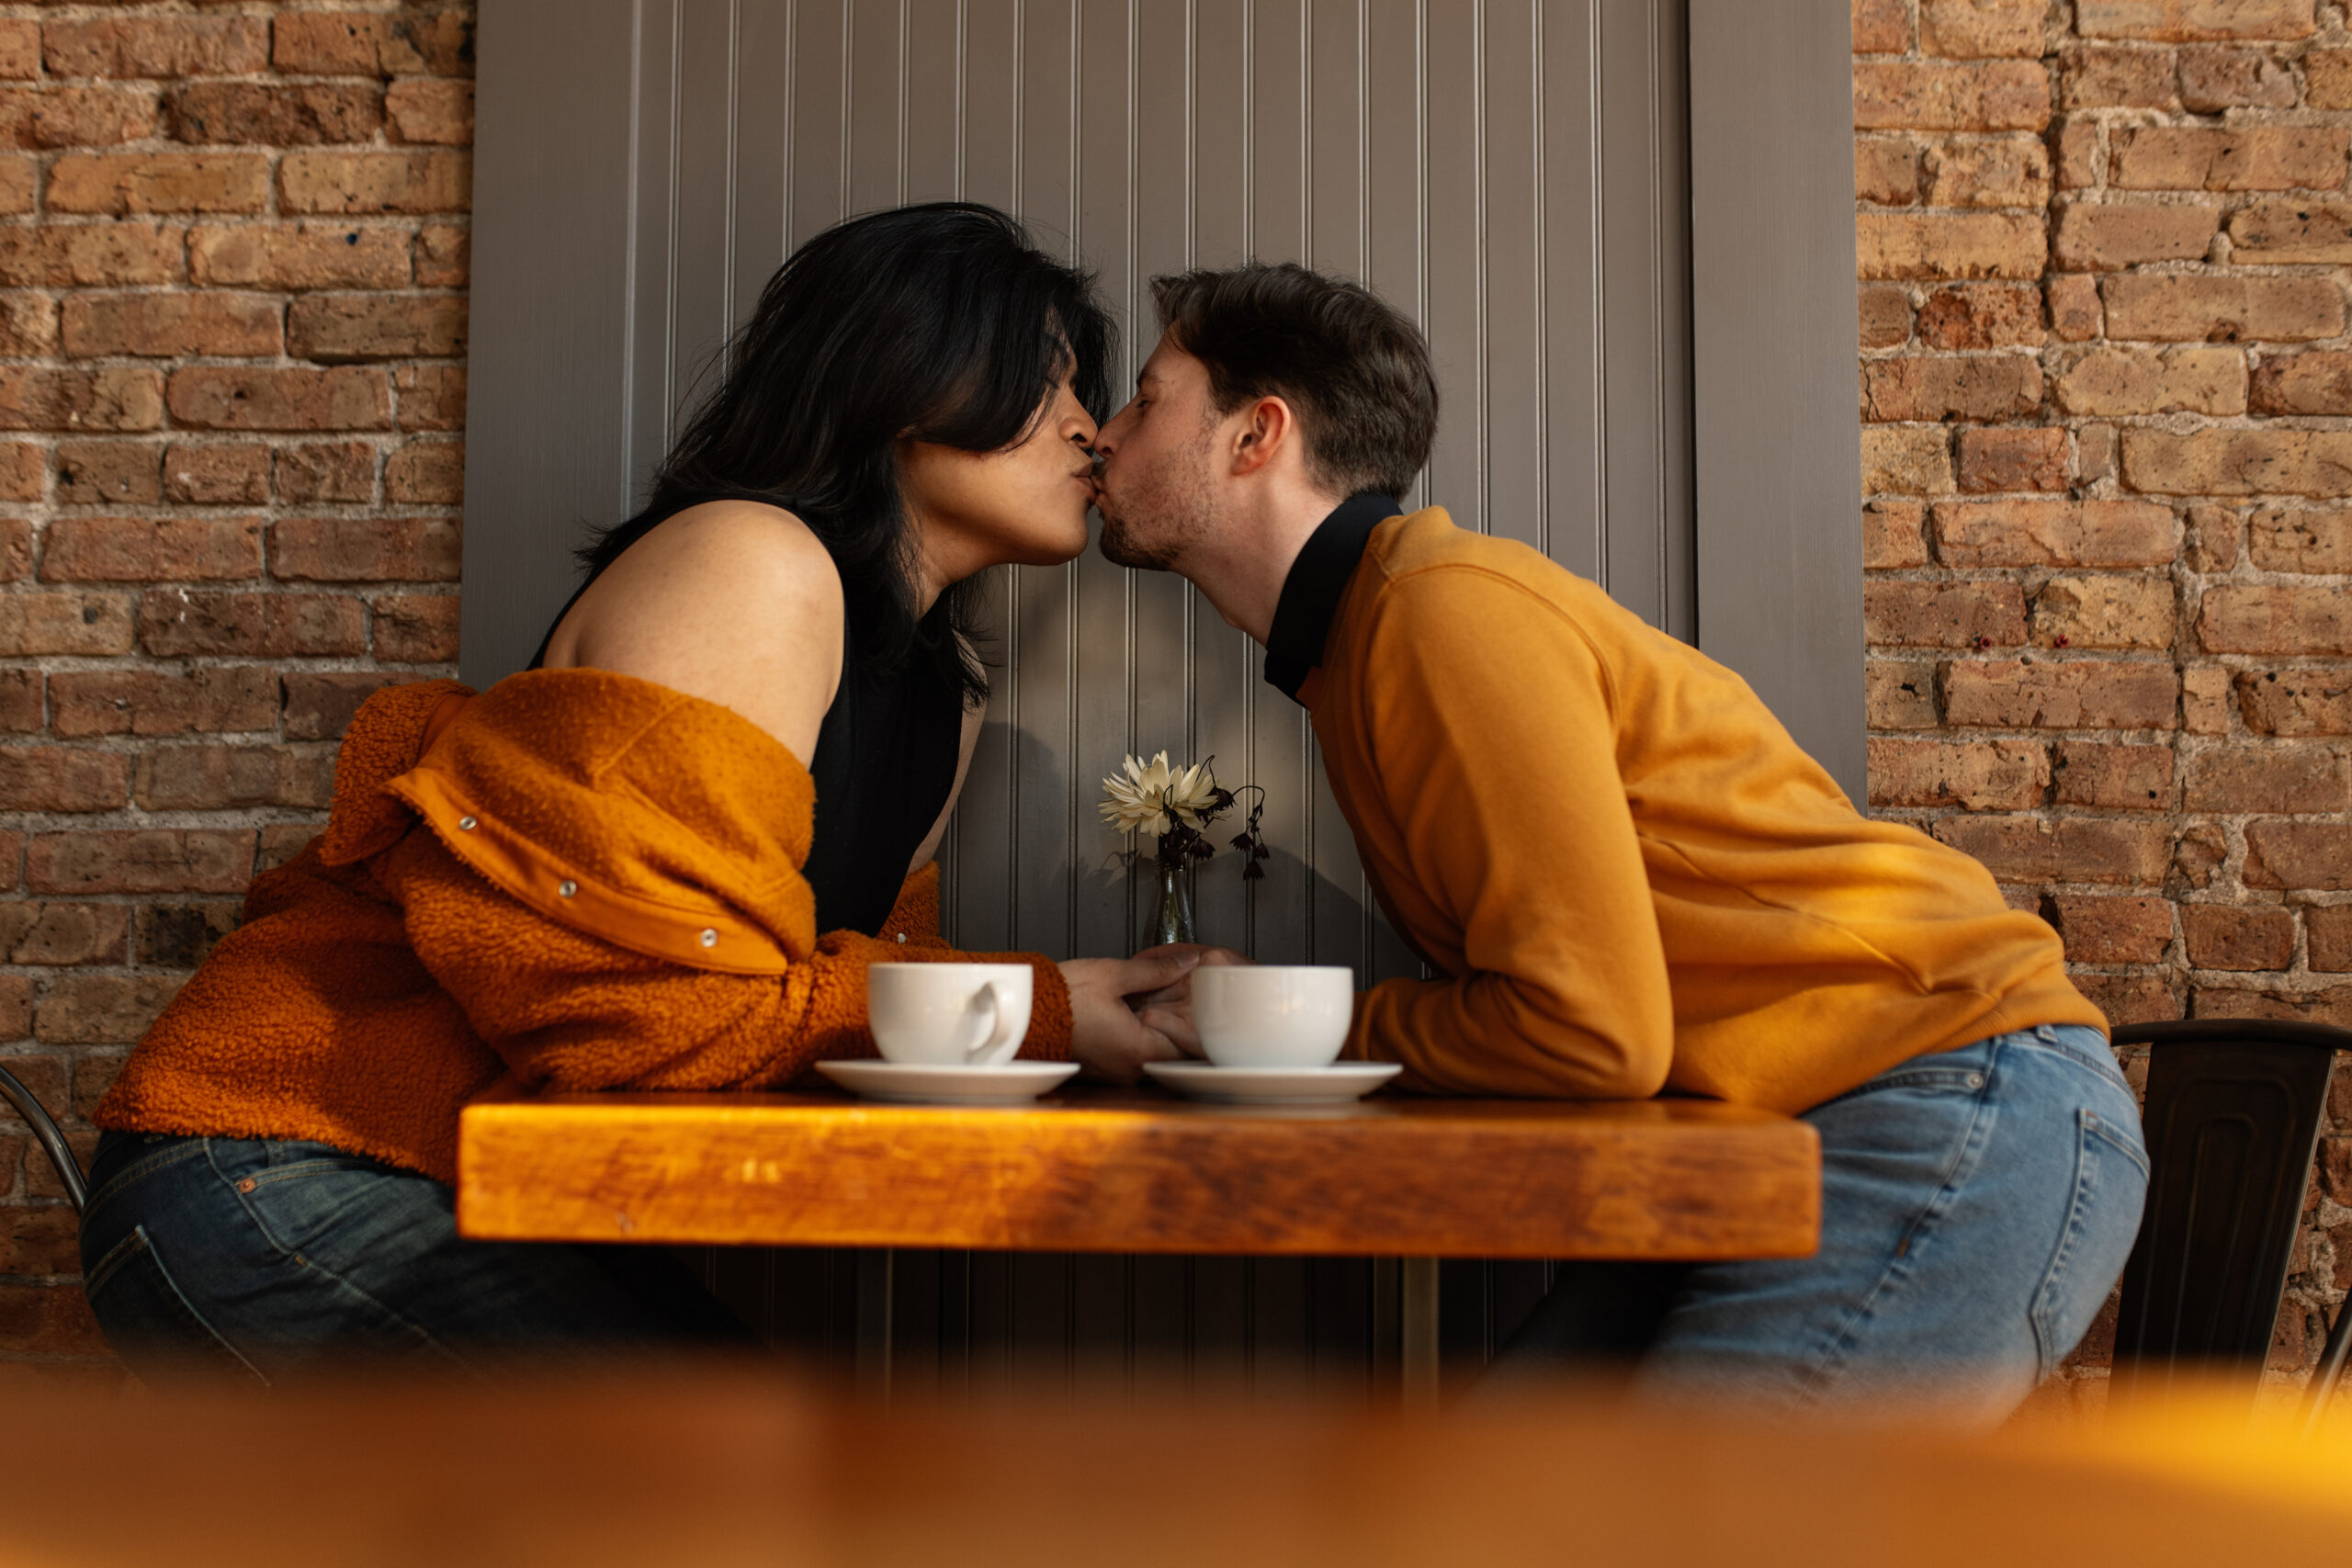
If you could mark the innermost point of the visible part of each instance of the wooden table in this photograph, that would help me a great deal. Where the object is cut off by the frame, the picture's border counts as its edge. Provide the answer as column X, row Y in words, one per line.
column 1098, row 1170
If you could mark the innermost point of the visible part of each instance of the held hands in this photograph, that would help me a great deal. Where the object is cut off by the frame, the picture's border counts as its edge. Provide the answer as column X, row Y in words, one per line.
column 1128, row 1011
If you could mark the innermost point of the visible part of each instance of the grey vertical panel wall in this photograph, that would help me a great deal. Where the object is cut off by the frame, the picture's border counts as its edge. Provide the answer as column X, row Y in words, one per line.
column 1511, row 172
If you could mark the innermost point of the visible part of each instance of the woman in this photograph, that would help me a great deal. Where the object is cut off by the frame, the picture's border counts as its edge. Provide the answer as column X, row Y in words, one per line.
column 611, row 871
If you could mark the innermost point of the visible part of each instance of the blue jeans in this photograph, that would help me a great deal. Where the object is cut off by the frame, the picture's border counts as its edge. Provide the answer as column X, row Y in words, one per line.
column 1977, row 1207
column 265, row 1258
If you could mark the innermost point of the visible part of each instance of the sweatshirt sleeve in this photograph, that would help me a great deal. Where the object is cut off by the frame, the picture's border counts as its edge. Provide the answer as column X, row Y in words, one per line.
column 569, row 1012
column 1489, row 718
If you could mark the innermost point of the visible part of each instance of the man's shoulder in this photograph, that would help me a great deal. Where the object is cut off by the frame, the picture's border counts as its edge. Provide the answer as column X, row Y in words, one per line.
column 1431, row 556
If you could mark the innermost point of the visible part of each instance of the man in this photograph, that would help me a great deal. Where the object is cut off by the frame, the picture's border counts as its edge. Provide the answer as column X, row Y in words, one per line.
column 1631, row 880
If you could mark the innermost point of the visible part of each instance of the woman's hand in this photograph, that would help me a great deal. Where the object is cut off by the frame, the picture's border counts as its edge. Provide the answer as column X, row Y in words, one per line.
column 1170, row 1008
column 1106, row 1037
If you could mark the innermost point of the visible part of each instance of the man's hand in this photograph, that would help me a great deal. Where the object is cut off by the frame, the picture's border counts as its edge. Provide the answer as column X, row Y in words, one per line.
column 1106, row 1037
column 1170, row 1008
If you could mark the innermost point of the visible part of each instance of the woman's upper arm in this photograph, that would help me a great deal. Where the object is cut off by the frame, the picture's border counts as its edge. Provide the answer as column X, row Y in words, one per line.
column 733, row 602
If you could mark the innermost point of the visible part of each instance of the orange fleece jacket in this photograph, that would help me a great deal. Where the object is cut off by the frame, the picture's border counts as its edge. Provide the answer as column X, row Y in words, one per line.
column 1630, row 875
column 575, row 880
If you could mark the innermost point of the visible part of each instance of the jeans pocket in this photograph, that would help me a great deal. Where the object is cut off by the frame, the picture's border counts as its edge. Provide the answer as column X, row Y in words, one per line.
column 2102, row 1223
column 149, row 1320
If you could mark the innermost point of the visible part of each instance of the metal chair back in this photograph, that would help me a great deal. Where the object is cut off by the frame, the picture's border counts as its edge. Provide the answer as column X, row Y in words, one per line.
column 52, row 1141
column 2232, row 1117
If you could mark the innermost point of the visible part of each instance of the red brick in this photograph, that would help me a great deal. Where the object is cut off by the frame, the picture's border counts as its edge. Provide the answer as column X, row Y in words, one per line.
column 28, row 326
column 1892, row 536
column 16, row 548
column 427, row 111
column 2213, row 539
column 2245, row 617
column 55, row 116
column 1974, row 29
column 431, row 397
column 219, row 778
column 411, row 42
column 44, row 1240
column 2239, row 157
column 375, row 182
column 2075, row 140
column 172, row 326
column 139, row 549
column 299, row 255
column 2188, row 308
column 1952, row 245
column 2327, row 76
column 2011, row 459
column 303, row 114
column 63, row 620
column 2009, row 694
column 2239, row 462
column 2298, row 854
column 2284, row 232
column 112, row 397
column 2301, row 539
column 280, row 842
column 218, row 397
column 16, row 1018
column 2194, row 21
column 2328, row 935
column 1999, row 95
column 2215, row 80
column 2313, row 383
column 2106, row 236
column 1976, row 775
column 368, row 549
column 1898, row 694
column 174, row 622
column 417, row 629
column 326, row 470
column 2114, row 777
column 2147, row 380
column 20, row 701
column 332, row 327
column 1942, row 614
column 2271, row 779
column 1990, row 315
column 2130, row 998
column 1913, row 461
column 2103, row 929
column 1886, row 171
column 181, row 936
column 2013, row 171
column 18, row 176
column 320, row 703
column 2055, row 531
column 2229, row 936
column 210, row 698
column 2116, row 79
column 2295, row 702
column 157, row 46
column 2332, row 1006
column 141, row 861
column 444, row 255
column 89, row 255
column 24, row 475
column 101, row 1010
column 62, row 778
column 108, row 473
column 49, row 1320
column 59, row 935
column 2070, row 849
column 2104, row 612
column 427, row 473
column 1915, row 387
column 216, row 473
column 1880, row 27
column 117, row 183
column 19, row 56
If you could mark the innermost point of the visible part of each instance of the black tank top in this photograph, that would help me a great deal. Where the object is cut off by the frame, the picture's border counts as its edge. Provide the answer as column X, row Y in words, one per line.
column 885, row 763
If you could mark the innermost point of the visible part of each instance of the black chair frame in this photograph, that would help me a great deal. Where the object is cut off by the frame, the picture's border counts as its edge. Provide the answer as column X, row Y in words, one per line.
column 52, row 1141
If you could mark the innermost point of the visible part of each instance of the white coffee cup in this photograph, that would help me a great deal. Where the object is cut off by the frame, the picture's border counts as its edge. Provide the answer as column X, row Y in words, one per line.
column 949, row 1014
column 1273, row 1015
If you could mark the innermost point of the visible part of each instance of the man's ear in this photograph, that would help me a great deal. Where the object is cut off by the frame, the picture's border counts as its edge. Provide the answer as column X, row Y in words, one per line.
column 1267, row 426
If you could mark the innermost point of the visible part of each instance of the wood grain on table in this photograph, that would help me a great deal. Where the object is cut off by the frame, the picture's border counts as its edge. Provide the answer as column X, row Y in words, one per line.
column 1119, row 1171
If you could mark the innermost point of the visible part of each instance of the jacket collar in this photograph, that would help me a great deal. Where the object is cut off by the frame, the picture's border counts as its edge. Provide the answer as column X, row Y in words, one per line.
column 1317, row 581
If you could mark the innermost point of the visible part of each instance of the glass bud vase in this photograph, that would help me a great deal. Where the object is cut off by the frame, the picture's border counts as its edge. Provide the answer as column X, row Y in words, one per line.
column 1174, row 922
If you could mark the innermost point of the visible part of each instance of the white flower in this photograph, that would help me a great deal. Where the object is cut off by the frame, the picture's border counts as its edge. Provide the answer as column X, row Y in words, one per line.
column 1153, row 797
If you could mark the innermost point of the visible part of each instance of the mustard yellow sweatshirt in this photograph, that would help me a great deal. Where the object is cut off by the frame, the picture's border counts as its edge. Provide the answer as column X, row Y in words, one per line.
column 1629, row 876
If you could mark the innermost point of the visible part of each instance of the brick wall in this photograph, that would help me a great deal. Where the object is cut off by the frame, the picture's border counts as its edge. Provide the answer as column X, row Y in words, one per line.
column 232, row 327
column 2108, row 477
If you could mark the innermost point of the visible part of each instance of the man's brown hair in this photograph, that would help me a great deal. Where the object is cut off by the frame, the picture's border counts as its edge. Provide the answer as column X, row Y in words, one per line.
column 1352, row 366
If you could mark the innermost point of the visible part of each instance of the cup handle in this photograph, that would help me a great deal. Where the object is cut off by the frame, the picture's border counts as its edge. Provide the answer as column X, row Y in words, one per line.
column 1000, row 1024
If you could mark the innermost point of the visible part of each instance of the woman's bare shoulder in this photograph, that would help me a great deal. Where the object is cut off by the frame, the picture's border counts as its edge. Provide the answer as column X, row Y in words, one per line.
column 731, row 601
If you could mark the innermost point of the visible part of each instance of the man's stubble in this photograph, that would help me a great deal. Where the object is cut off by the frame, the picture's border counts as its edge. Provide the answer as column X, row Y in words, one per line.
column 1162, row 513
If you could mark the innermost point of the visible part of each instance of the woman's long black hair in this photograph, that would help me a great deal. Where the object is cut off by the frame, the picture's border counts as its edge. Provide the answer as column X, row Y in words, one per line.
column 942, row 321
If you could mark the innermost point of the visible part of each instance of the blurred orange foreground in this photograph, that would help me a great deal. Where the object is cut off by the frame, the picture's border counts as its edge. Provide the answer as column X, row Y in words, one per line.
column 723, row 1466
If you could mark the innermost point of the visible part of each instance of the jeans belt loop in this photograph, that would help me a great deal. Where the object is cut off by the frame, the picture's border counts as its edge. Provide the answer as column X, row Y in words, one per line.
column 2047, row 1033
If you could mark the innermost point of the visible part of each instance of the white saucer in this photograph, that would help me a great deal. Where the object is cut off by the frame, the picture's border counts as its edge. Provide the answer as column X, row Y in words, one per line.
column 1266, row 1086
column 919, row 1083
